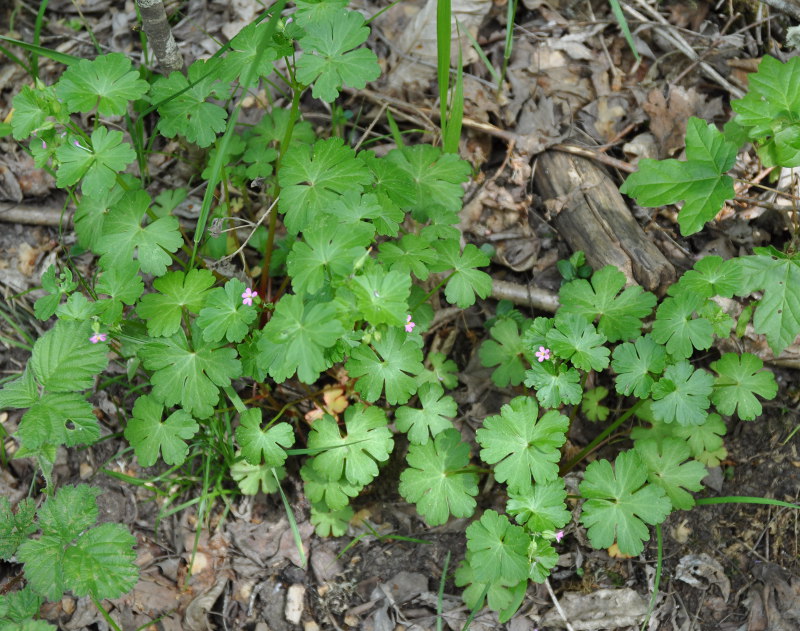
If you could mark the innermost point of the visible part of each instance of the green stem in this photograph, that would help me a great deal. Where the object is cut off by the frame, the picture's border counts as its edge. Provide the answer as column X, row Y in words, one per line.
column 603, row 435
column 744, row 499
column 294, row 114
column 657, row 581
column 433, row 291
column 105, row 614
column 241, row 408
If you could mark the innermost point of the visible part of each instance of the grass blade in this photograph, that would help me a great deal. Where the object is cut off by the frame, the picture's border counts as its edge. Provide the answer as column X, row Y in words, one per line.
column 443, row 19
column 67, row 60
column 616, row 9
column 452, row 133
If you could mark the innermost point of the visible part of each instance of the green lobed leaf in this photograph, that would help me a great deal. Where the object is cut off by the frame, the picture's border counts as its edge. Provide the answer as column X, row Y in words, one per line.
column 18, row 610
column 178, row 293
column 682, row 395
column 312, row 178
column 59, row 419
column 32, row 107
column 540, row 507
column 465, row 280
column 520, row 447
column 364, row 214
column 442, row 371
column 43, row 561
column 182, row 104
column 382, row 297
column 591, row 405
column 69, row 512
column 542, row 557
column 15, row 526
column 224, row 314
column 637, row 365
column 411, row 254
column 148, row 435
column 101, row 563
column 704, row 441
column 711, row 276
column 387, row 365
column 268, row 446
column 98, row 164
column 668, row 468
column 246, row 49
column 435, row 179
column 329, row 522
column 64, row 360
column 254, row 478
column 498, row 550
column 46, row 306
column 123, row 285
column 433, row 418
column 327, row 252
column 67, row 556
column 676, row 327
column 189, row 376
column 19, row 393
column 739, row 379
column 91, row 213
column 699, row 181
column 436, row 479
column 619, row 503
column 769, row 110
column 329, row 61
column 106, row 82
column 578, row 341
column 555, row 385
column 778, row 313
column 318, row 488
column 124, row 236
column 504, row 351
column 620, row 315
column 367, row 441
column 501, row 598
column 295, row 338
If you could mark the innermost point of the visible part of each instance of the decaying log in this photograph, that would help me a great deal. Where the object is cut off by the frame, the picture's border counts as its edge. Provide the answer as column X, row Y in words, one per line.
column 591, row 215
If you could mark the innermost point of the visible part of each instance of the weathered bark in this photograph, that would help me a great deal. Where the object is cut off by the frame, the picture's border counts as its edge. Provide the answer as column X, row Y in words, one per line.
column 591, row 215
column 159, row 34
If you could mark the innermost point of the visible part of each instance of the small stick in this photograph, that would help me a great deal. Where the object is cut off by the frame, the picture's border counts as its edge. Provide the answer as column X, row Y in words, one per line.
column 558, row 605
column 159, row 34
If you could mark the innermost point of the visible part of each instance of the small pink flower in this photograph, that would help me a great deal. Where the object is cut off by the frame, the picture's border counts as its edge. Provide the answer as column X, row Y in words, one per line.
column 98, row 337
column 247, row 297
column 409, row 324
column 559, row 535
column 542, row 354
column 44, row 145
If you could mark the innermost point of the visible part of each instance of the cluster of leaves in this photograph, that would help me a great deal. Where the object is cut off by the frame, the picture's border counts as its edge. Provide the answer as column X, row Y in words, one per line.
column 71, row 553
column 366, row 233
column 768, row 116
column 599, row 326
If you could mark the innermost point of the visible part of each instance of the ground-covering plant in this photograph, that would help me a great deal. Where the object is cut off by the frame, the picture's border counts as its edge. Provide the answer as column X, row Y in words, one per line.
column 354, row 248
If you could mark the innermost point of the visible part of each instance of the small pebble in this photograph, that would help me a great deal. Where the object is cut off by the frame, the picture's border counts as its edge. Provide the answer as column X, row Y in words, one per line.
column 294, row 603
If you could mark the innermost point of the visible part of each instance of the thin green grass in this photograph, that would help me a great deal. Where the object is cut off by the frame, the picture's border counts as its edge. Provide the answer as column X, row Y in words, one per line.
column 222, row 143
column 37, row 32
column 616, row 9
column 511, row 15
column 440, row 595
column 298, row 540
column 451, row 105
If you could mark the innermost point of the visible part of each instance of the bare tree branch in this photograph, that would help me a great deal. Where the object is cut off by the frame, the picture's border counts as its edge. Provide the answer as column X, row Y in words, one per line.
column 159, row 34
